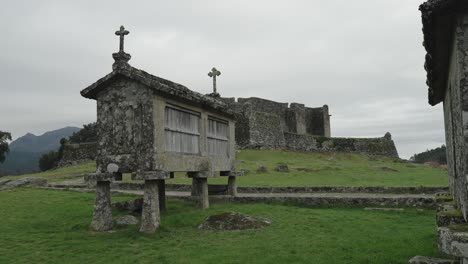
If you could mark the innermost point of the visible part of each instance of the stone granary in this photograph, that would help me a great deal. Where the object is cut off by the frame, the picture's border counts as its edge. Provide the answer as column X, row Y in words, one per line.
column 152, row 127
column 445, row 28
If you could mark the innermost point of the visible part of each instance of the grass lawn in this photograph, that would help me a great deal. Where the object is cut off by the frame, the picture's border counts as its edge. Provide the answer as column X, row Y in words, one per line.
column 45, row 226
column 338, row 169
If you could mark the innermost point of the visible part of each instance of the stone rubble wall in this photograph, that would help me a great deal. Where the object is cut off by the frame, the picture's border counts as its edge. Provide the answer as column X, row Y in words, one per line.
column 76, row 153
column 261, row 122
column 309, row 189
column 371, row 146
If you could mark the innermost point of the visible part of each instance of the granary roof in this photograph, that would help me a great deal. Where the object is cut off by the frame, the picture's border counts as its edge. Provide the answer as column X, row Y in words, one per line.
column 438, row 18
column 158, row 84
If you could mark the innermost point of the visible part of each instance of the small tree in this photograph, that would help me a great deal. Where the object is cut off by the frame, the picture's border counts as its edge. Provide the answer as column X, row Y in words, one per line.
column 48, row 161
column 4, row 148
column 51, row 159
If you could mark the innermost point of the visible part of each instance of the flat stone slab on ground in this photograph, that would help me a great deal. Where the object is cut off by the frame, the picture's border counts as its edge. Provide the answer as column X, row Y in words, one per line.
column 127, row 220
column 384, row 209
column 7, row 184
column 233, row 221
column 431, row 260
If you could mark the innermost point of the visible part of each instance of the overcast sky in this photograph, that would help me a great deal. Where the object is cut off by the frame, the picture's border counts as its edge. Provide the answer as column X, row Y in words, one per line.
column 362, row 58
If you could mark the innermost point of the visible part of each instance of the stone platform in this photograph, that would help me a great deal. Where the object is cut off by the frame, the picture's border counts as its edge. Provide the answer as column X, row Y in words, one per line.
column 317, row 199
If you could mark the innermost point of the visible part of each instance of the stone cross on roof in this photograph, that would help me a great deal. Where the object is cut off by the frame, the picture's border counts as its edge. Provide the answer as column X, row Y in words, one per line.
column 122, row 32
column 213, row 73
column 121, row 58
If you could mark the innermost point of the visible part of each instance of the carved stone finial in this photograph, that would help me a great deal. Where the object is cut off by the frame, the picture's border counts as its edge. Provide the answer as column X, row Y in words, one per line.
column 213, row 73
column 121, row 58
column 388, row 135
column 122, row 32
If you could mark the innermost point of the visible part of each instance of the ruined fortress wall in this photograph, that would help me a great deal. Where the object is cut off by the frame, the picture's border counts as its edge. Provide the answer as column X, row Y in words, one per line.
column 371, row 146
column 261, row 122
column 76, row 153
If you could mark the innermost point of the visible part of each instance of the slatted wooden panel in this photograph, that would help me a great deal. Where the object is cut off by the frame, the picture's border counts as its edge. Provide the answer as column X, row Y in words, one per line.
column 218, row 141
column 182, row 131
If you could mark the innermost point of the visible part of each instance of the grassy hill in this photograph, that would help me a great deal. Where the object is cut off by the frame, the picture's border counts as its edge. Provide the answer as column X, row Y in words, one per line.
column 306, row 169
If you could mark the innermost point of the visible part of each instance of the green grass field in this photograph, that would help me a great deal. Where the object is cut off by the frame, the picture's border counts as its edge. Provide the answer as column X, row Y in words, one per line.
column 306, row 169
column 45, row 226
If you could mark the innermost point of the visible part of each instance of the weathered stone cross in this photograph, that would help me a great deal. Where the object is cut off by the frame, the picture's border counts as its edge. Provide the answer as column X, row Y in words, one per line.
column 122, row 32
column 213, row 73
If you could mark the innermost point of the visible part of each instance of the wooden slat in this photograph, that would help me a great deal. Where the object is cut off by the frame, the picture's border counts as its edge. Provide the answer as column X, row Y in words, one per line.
column 182, row 131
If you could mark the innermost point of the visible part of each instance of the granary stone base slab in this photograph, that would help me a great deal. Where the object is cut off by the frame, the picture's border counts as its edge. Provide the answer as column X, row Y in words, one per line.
column 102, row 215
column 453, row 240
column 102, row 176
column 151, row 175
column 150, row 216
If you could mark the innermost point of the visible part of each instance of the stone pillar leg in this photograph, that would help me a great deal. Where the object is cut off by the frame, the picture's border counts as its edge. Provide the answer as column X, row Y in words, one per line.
column 150, row 215
column 162, row 194
column 202, row 191
column 195, row 187
column 232, row 186
column 102, row 215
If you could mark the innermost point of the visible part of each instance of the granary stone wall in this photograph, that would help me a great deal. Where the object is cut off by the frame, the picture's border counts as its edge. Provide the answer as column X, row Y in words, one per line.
column 456, row 116
column 372, row 146
column 76, row 153
column 125, row 125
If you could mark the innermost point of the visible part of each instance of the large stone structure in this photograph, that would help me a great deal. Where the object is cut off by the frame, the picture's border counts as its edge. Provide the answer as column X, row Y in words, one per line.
column 262, row 123
column 445, row 28
column 152, row 127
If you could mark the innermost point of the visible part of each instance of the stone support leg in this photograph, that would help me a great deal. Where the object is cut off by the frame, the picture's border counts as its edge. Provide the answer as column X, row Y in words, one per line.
column 201, row 189
column 102, row 215
column 232, row 186
column 195, row 187
column 150, row 216
column 162, row 194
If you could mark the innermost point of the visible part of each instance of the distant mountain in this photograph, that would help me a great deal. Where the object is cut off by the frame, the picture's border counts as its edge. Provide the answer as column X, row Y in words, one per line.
column 26, row 150
column 43, row 143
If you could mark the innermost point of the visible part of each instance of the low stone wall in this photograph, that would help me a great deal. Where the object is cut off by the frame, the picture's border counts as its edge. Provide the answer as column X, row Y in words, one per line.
column 372, row 146
column 76, row 153
column 312, row 189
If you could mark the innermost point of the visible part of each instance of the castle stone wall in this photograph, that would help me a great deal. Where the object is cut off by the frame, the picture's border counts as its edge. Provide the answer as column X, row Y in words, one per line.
column 76, row 153
column 372, row 146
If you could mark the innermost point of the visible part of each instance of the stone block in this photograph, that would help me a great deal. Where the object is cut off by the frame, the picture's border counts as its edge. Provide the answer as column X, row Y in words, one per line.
column 449, row 218
column 127, row 220
column 101, row 176
column 453, row 240
column 151, row 175
column 431, row 260
column 282, row 167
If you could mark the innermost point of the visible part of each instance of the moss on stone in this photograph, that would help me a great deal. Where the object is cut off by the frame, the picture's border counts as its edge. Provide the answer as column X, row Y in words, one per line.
column 455, row 212
column 459, row 227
